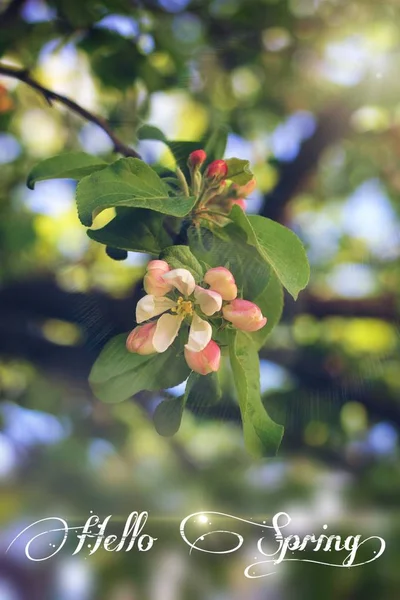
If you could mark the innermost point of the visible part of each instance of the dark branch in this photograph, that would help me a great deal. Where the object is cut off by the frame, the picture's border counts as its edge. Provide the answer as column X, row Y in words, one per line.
column 333, row 123
column 50, row 96
column 11, row 13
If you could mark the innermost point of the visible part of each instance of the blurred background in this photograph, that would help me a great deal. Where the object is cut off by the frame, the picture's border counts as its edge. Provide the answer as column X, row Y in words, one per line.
column 310, row 92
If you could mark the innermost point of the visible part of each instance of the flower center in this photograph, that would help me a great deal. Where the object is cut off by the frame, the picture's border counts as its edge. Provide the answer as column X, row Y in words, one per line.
column 183, row 307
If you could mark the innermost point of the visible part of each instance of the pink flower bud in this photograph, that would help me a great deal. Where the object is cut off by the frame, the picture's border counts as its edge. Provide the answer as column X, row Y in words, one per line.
column 206, row 361
column 240, row 202
column 140, row 339
column 244, row 315
column 242, row 191
column 249, row 187
column 196, row 158
column 222, row 281
column 153, row 281
column 216, row 171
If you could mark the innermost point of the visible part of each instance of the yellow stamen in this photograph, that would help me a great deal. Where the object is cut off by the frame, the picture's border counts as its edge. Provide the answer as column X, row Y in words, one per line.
column 183, row 307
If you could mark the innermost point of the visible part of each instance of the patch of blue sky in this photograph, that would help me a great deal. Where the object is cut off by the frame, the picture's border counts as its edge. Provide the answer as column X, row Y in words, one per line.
column 237, row 146
column 272, row 376
column 136, row 259
column 98, row 451
column 346, row 62
column 146, row 43
column 369, row 215
column 10, row 148
column 173, row 5
column 177, row 390
column 352, row 280
column 8, row 458
column 67, row 53
column 31, row 427
column 285, row 141
column 320, row 233
column 383, row 439
column 37, row 11
column 151, row 150
column 269, row 476
column 255, row 202
column 8, row 591
column 74, row 579
column 94, row 140
column 122, row 24
column 49, row 197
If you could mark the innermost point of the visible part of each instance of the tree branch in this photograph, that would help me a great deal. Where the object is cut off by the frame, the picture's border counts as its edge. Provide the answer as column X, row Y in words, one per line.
column 50, row 96
column 333, row 124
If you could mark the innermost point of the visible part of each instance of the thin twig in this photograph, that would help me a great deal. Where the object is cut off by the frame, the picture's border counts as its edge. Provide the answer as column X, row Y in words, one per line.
column 50, row 96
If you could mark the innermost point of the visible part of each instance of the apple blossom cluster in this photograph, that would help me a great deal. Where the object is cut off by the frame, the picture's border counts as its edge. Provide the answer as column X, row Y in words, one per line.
column 214, row 194
column 173, row 299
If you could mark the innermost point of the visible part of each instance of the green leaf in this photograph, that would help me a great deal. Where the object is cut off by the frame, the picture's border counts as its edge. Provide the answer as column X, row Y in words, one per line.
column 271, row 303
column 262, row 435
column 239, row 171
column 181, row 151
column 71, row 165
column 116, row 253
column 150, row 132
column 118, row 374
column 116, row 61
column 201, row 390
column 215, row 145
column 180, row 257
column 128, row 182
column 279, row 246
column 137, row 230
column 167, row 417
column 228, row 247
column 204, row 390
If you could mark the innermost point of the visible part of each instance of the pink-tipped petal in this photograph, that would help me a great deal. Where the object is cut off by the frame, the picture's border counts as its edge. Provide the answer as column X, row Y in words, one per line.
column 221, row 281
column 166, row 331
column 182, row 280
column 244, row 315
column 151, row 306
column 140, row 339
column 206, row 361
column 158, row 265
column 153, row 281
column 199, row 334
column 210, row 302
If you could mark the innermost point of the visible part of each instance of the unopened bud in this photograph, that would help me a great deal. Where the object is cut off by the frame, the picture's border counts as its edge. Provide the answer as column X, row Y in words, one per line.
column 206, row 361
column 216, row 171
column 245, row 190
column 222, row 281
column 196, row 158
column 240, row 202
column 244, row 315
column 153, row 281
column 140, row 339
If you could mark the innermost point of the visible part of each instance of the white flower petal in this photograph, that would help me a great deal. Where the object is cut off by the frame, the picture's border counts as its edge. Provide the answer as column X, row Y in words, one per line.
column 199, row 334
column 166, row 331
column 182, row 279
column 151, row 306
column 210, row 302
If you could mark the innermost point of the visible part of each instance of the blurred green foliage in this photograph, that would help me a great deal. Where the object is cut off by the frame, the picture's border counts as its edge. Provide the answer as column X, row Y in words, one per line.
column 309, row 93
